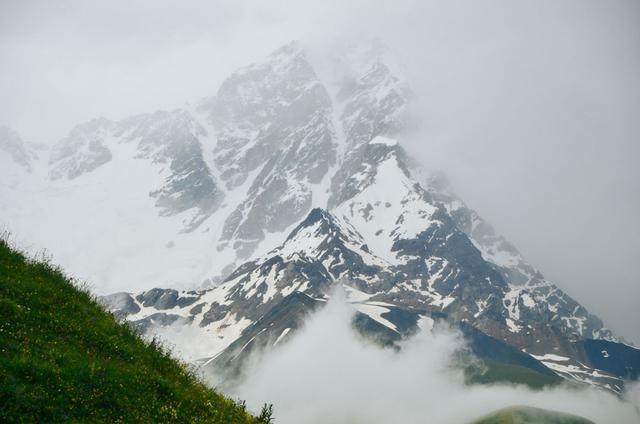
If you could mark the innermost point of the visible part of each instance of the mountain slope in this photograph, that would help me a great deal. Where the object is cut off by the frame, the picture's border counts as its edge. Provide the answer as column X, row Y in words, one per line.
column 529, row 415
column 17, row 160
column 273, row 118
column 140, row 185
column 65, row 359
column 531, row 297
column 230, row 176
column 13, row 146
column 265, row 302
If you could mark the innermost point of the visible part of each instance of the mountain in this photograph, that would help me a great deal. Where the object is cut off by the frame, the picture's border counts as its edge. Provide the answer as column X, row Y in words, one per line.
column 273, row 122
column 526, row 415
column 236, row 172
column 16, row 160
column 14, row 149
column 257, row 202
column 140, row 185
column 168, row 140
column 66, row 359
column 264, row 302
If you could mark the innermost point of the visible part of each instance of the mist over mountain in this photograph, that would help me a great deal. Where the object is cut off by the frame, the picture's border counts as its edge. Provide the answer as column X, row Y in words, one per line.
column 368, row 177
column 351, row 380
column 561, row 78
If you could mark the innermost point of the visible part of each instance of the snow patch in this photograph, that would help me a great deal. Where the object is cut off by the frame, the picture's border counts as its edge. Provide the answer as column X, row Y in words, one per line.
column 384, row 140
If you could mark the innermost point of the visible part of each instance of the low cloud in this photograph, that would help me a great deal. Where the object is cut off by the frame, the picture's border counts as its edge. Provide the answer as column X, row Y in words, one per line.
column 328, row 373
column 188, row 343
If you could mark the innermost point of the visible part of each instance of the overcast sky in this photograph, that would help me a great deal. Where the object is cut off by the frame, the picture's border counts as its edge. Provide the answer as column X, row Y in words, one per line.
column 531, row 108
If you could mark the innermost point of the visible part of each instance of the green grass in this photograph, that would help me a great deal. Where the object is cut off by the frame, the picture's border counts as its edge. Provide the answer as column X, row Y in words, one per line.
column 64, row 359
column 529, row 415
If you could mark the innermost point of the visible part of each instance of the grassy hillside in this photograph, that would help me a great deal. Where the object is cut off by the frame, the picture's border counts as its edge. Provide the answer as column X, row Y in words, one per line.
column 63, row 358
column 528, row 415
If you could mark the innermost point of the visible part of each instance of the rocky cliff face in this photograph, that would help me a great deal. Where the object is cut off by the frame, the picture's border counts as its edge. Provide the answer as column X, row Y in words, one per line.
column 272, row 123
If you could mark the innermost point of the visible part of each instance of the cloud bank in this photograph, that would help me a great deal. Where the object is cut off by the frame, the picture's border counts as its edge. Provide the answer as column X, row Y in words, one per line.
column 327, row 373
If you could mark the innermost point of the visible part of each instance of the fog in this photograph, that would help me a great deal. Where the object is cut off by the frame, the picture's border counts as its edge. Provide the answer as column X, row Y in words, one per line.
column 327, row 373
column 189, row 343
column 529, row 107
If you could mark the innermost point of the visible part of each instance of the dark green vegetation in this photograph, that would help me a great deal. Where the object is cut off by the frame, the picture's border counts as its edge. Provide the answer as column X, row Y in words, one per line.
column 63, row 358
column 491, row 372
column 528, row 415
column 501, row 363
